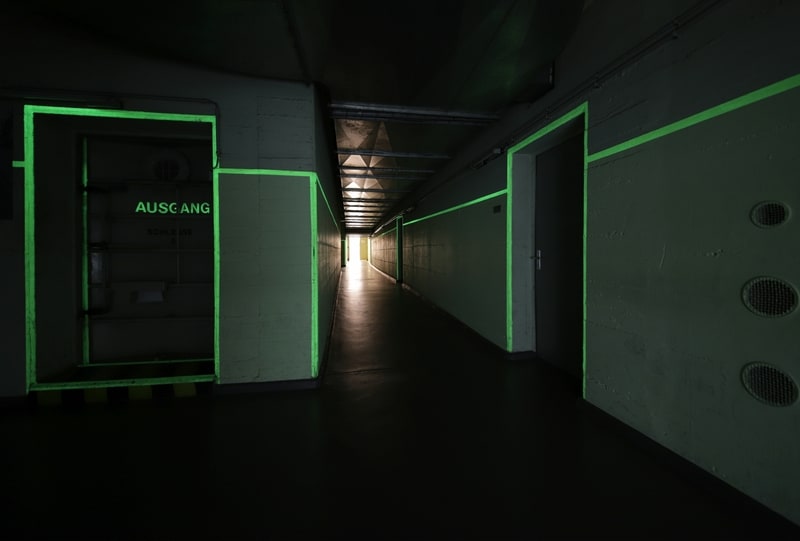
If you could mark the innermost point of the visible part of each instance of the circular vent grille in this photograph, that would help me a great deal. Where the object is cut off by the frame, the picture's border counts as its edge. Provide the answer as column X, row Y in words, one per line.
column 769, row 214
column 166, row 165
column 166, row 169
column 769, row 384
column 770, row 297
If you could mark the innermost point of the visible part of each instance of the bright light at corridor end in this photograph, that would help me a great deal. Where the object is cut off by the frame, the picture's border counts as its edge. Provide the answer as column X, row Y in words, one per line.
column 353, row 247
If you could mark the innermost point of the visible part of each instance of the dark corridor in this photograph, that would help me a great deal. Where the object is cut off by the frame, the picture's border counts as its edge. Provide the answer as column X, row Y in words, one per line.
column 419, row 431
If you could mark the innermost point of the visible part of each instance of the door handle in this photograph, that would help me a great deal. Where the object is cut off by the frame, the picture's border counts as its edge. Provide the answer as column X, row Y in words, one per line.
column 538, row 260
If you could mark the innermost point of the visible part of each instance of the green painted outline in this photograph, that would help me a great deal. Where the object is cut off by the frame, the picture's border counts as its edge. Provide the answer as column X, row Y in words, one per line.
column 29, row 250
column 148, row 363
column 217, row 297
column 713, row 112
column 85, row 251
column 263, row 172
column 315, row 357
column 457, row 207
column 28, row 112
column 385, row 233
column 509, row 252
column 118, row 113
column 330, row 210
column 72, row 385
column 312, row 210
column 582, row 109
column 314, row 181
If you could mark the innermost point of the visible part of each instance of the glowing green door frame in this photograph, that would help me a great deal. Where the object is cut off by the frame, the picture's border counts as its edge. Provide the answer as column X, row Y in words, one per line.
column 581, row 110
column 29, row 113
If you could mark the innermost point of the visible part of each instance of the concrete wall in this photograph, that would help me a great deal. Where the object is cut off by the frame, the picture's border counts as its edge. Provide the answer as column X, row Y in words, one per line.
column 454, row 250
column 383, row 251
column 265, row 278
column 260, row 125
column 671, row 246
column 670, row 243
column 330, row 237
column 329, row 271
column 667, row 334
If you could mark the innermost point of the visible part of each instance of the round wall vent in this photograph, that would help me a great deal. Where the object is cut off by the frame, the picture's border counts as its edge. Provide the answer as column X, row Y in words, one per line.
column 769, row 297
column 769, row 214
column 166, row 169
column 769, row 384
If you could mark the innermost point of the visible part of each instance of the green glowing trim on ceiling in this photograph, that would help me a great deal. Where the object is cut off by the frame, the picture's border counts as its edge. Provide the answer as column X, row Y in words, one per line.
column 457, row 207
column 713, row 112
column 582, row 109
column 27, row 163
column 85, row 250
column 72, row 385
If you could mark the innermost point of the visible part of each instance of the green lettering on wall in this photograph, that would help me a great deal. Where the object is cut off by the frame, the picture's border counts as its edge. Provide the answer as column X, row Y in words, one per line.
column 172, row 207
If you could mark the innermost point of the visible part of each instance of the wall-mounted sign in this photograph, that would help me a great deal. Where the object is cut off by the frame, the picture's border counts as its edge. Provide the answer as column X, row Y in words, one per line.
column 172, row 207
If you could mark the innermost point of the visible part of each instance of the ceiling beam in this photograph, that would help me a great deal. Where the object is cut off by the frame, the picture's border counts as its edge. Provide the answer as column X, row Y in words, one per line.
column 373, row 190
column 381, row 200
column 390, row 154
column 413, row 115
column 388, row 169
column 381, row 177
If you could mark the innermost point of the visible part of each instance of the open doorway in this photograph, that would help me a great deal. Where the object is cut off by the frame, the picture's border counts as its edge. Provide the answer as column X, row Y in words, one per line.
column 357, row 249
column 558, row 254
column 353, row 249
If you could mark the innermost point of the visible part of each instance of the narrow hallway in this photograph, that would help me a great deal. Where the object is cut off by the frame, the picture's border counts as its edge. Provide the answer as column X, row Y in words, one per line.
column 420, row 431
column 432, row 433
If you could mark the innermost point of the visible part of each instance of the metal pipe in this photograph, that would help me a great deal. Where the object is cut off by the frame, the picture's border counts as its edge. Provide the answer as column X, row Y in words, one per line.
column 391, row 154
column 416, row 115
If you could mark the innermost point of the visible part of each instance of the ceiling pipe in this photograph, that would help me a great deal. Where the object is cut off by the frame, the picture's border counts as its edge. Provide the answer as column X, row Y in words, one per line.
column 664, row 34
column 380, row 177
column 414, row 115
column 391, row 154
column 373, row 190
column 387, row 169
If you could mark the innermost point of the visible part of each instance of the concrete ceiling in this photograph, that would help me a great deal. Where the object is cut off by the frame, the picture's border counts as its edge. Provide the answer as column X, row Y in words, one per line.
column 409, row 82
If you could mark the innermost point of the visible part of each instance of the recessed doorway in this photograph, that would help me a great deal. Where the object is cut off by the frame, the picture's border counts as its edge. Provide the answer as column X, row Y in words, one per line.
column 558, row 254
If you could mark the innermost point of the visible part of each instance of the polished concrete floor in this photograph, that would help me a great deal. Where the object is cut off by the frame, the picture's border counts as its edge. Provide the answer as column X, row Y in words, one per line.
column 419, row 431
